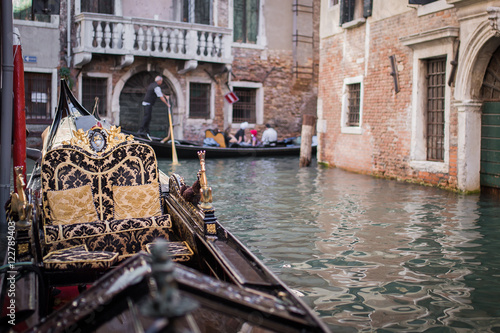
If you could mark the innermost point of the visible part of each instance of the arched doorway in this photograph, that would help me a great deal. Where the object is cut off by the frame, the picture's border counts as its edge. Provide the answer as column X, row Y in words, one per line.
column 490, row 125
column 131, row 110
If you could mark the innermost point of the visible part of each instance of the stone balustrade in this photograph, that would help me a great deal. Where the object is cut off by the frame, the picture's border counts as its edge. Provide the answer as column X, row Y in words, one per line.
column 128, row 37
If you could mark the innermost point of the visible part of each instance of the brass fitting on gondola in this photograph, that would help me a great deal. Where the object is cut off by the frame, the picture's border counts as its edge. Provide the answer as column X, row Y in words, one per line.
column 20, row 209
column 206, row 191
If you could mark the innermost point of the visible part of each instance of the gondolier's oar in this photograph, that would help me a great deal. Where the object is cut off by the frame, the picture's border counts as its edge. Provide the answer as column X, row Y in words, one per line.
column 174, row 152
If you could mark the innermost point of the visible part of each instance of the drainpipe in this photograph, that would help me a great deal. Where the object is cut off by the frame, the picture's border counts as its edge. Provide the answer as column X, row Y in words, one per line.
column 68, row 36
column 7, row 90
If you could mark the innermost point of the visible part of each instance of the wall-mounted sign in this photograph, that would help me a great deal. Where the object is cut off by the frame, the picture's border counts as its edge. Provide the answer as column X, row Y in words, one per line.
column 231, row 97
column 28, row 58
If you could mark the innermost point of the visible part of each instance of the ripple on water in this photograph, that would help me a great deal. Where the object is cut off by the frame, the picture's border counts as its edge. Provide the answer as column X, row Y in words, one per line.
column 370, row 255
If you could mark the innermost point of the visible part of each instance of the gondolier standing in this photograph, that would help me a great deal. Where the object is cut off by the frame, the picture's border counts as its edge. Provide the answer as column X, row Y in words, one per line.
column 153, row 92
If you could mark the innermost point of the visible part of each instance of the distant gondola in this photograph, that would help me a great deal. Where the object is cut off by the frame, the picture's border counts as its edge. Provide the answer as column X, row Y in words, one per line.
column 188, row 149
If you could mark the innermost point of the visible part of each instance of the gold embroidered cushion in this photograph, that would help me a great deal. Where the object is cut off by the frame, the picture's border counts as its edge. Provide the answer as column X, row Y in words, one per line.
column 136, row 201
column 73, row 205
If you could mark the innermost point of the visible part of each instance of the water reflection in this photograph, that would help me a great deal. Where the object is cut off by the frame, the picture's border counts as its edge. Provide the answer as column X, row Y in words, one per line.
column 369, row 254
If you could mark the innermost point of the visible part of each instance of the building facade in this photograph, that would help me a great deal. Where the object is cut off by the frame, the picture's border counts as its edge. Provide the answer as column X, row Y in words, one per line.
column 409, row 90
column 263, row 51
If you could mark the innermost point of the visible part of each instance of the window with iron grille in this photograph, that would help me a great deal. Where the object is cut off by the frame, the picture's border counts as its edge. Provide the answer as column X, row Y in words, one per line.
column 436, row 84
column 246, row 21
column 199, row 100
column 92, row 88
column 245, row 108
column 353, row 104
column 37, row 97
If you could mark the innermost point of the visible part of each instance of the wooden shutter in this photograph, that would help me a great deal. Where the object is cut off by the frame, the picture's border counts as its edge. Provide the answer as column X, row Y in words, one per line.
column 367, row 8
column 239, row 20
column 252, row 20
column 246, row 21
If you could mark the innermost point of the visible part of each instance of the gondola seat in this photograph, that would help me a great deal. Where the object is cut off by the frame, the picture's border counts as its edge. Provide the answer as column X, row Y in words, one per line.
column 217, row 136
column 78, row 257
column 107, row 201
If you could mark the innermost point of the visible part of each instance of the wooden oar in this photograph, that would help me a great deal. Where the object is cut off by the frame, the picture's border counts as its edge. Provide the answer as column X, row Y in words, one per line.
column 175, row 161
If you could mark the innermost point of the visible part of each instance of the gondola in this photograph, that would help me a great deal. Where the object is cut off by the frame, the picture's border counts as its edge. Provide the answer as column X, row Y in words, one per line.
column 187, row 149
column 103, row 241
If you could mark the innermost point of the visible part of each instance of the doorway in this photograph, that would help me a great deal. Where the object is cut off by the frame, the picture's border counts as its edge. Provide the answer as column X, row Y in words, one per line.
column 132, row 111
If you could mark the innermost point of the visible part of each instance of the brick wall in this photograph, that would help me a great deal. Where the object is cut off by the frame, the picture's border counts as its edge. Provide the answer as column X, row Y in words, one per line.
column 383, row 148
column 286, row 96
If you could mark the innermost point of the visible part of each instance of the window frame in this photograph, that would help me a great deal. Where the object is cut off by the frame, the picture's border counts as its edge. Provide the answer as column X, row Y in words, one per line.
column 31, row 117
column 261, row 37
column 192, row 15
column 259, row 102
column 109, row 92
column 200, row 121
column 35, row 17
column 432, row 7
column 117, row 7
column 344, row 118
column 434, row 100
column 358, row 9
column 431, row 44
column 106, row 94
column 53, row 88
column 209, row 102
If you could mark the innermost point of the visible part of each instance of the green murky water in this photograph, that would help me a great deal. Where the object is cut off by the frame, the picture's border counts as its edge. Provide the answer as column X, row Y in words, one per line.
column 370, row 255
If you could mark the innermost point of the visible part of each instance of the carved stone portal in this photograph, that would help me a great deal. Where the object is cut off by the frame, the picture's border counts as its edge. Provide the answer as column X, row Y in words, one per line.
column 494, row 18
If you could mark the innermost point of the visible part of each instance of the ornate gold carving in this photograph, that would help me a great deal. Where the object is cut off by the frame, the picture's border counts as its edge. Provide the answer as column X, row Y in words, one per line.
column 19, row 205
column 206, row 191
column 79, row 139
column 116, row 136
column 211, row 229
column 98, row 140
column 23, row 248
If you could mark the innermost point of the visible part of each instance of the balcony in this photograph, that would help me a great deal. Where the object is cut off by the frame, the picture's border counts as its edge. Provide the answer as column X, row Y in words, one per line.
column 129, row 37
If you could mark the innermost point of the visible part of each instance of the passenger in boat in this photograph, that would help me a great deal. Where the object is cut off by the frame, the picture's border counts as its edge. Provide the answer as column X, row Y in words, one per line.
column 152, row 93
column 270, row 136
column 240, row 135
column 229, row 137
column 254, row 140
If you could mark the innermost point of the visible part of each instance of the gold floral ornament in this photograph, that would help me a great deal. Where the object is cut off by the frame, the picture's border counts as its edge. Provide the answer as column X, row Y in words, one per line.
column 98, row 140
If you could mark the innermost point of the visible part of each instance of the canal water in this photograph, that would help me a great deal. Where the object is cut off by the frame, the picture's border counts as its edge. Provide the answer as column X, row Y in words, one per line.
column 368, row 254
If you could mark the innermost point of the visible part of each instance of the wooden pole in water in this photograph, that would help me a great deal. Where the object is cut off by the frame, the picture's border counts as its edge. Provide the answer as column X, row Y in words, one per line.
column 308, row 123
